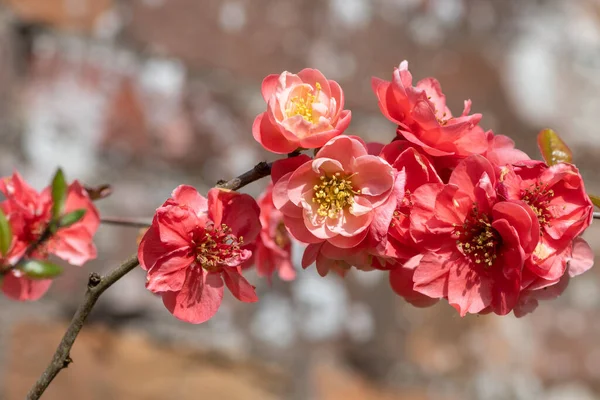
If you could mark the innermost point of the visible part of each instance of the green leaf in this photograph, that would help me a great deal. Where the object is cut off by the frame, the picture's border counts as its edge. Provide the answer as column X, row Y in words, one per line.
column 39, row 269
column 59, row 194
column 553, row 149
column 71, row 218
column 595, row 200
column 5, row 234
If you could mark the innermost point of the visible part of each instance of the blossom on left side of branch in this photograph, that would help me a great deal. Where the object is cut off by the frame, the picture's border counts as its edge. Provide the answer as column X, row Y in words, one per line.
column 196, row 246
column 29, row 214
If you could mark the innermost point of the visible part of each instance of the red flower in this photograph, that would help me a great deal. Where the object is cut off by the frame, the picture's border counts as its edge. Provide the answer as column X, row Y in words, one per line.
column 273, row 245
column 334, row 198
column 558, row 198
column 14, row 284
column 501, row 150
column 194, row 245
column 30, row 212
column 579, row 258
column 304, row 110
column 423, row 117
column 477, row 244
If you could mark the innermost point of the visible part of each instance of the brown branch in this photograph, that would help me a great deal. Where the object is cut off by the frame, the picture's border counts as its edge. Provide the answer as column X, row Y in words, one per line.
column 96, row 286
column 259, row 171
column 133, row 223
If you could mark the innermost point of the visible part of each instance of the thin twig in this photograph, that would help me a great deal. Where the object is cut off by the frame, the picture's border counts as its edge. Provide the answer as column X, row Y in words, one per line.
column 597, row 215
column 96, row 286
column 259, row 171
column 133, row 223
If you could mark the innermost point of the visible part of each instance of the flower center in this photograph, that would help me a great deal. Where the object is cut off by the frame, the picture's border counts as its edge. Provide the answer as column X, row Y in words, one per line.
column 303, row 106
column 333, row 195
column 217, row 247
column 282, row 238
column 538, row 197
column 477, row 239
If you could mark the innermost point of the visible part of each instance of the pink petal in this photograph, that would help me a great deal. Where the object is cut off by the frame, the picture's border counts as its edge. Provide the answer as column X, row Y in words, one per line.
column 401, row 281
column 312, row 76
column 73, row 245
column 77, row 198
column 348, row 242
column 281, row 199
column 301, row 181
column 238, row 211
column 284, row 166
column 175, row 225
column 316, row 140
column 199, row 298
column 431, row 275
column 158, row 281
column 286, row 271
column 188, row 196
column 582, row 258
column 270, row 137
column 310, row 254
column 470, row 171
column 151, row 248
column 24, row 289
column 269, row 85
column 373, row 176
column 239, row 286
column 520, row 217
column 468, row 291
column 299, row 231
column 344, row 149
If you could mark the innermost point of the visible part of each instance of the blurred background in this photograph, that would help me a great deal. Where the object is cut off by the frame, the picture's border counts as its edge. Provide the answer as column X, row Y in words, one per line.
column 149, row 94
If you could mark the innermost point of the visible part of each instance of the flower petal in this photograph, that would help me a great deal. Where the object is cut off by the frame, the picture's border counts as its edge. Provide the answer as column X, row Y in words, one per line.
column 199, row 298
column 239, row 286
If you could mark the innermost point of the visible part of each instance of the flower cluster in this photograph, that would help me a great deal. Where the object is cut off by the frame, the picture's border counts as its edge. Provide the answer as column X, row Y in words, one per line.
column 34, row 227
column 452, row 211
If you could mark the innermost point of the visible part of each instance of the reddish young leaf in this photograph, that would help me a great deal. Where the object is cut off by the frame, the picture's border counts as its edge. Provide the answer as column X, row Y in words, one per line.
column 553, row 149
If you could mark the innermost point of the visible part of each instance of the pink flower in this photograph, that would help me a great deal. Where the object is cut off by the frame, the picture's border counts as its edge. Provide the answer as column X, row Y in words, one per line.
column 477, row 245
column 273, row 245
column 579, row 258
column 30, row 212
column 423, row 117
column 419, row 171
column 501, row 150
column 333, row 198
column 558, row 198
column 14, row 284
column 194, row 245
column 304, row 110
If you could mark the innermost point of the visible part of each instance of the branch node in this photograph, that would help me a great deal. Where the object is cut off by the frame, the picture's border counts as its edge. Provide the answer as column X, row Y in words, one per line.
column 67, row 361
column 221, row 182
column 94, row 280
column 262, row 167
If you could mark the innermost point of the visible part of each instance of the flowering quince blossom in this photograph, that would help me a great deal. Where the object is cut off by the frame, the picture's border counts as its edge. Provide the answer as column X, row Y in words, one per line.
column 557, row 196
column 579, row 259
column 303, row 110
column 29, row 213
column 194, row 245
column 329, row 202
column 477, row 243
column 14, row 284
column 423, row 117
column 273, row 245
